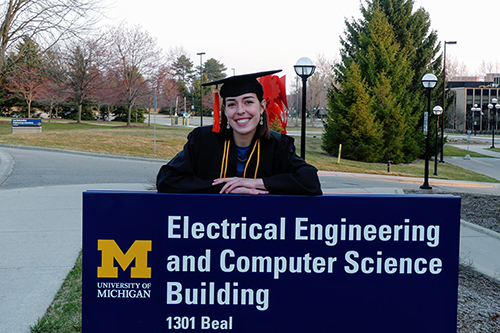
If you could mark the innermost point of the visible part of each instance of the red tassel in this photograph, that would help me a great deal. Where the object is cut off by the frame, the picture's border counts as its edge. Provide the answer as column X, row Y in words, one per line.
column 216, row 125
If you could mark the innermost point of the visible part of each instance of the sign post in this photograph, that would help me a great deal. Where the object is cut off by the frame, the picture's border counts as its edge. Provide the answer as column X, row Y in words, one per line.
column 339, row 263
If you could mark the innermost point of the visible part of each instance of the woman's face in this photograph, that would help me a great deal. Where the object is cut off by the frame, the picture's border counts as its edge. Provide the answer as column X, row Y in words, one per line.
column 243, row 115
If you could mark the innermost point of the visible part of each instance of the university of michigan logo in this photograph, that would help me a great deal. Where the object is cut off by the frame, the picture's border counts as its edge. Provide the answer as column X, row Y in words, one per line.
column 111, row 252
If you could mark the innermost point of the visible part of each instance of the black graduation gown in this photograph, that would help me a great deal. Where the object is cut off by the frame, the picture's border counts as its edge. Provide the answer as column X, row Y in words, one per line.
column 194, row 168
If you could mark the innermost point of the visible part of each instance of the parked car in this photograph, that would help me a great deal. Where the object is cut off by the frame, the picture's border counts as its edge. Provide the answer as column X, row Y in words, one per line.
column 183, row 115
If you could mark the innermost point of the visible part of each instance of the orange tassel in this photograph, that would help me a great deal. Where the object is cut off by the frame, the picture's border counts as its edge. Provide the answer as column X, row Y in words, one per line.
column 216, row 125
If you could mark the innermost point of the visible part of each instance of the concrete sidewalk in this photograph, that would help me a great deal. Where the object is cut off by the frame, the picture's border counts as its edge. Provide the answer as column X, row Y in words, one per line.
column 40, row 238
column 41, row 235
column 479, row 148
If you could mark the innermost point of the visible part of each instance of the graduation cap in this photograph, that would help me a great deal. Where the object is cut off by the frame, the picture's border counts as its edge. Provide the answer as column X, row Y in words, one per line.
column 235, row 86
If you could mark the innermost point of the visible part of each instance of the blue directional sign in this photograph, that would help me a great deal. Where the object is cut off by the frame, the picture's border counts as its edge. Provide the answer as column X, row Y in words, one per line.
column 340, row 263
column 17, row 122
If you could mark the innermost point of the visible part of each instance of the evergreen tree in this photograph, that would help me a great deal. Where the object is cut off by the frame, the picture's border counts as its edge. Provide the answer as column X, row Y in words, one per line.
column 214, row 70
column 387, row 68
column 352, row 124
column 394, row 48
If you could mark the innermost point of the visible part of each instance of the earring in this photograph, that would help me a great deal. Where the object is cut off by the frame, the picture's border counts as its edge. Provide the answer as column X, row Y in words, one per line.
column 228, row 126
column 261, row 120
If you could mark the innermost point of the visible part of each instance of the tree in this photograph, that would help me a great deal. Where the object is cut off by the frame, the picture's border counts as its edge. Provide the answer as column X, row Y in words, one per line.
column 54, row 91
column 165, row 88
column 182, row 69
column 46, row 21
column 136, row 57
column 352, row 123
column 26, row 77
column 85, row 61
column 387, row 69
column 489, row 67
column 455, row 69
column 394, row 47
column 214, row 70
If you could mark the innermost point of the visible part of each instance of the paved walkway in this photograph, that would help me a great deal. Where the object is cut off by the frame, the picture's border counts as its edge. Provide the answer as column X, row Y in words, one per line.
column 40, row 238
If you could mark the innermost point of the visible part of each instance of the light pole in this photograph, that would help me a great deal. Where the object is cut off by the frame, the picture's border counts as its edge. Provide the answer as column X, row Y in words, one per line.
column 201, row 87
column 429, row 82
column 493, row 119
column 304, row 68
column 437, row 111
column 475, row 109
column 444, row 98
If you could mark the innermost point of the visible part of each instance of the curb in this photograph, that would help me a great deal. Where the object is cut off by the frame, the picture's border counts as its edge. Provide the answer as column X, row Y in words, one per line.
column 478, row 228
column 6, row 166
column 410, row 180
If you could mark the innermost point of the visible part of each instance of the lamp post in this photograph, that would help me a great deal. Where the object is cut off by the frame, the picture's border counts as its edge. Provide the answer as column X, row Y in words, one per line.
column 437, row 111
column 444, row 98
column 475, row 109
column 429, row 82
column 304, row 68
column 201, row 87
column 493, row 119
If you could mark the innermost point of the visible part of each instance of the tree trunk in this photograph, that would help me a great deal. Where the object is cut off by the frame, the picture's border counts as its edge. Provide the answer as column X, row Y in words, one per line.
column 129, row 114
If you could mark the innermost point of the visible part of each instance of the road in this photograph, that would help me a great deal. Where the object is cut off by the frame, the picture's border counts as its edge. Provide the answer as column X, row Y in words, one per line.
column 47, row 167
column 41, row 167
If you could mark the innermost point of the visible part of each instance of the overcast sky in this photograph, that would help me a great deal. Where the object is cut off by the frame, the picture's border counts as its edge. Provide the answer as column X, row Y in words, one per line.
column 259, row 35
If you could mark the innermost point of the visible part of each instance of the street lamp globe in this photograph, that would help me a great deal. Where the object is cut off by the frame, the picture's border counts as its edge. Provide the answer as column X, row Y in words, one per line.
column 429, row 81
column 304, row 67
column 475, row 108
column 437, row 110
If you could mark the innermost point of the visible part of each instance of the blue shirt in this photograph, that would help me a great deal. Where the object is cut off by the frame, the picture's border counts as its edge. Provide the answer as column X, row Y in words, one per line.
column 243, row 153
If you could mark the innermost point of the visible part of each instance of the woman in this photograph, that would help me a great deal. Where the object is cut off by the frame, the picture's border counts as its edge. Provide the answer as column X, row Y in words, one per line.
column 245, row 157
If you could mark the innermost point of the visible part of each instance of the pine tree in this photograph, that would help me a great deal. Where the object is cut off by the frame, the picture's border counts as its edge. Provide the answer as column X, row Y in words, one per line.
column 350, row 121
column 387, row 68
column 394, row 48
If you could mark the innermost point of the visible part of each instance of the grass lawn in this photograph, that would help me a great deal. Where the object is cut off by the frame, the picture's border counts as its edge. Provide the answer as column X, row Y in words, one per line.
column 139, row 141
column 64, row 315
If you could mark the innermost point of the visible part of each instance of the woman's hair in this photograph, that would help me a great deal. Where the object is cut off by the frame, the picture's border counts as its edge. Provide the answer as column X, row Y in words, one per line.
column 262, row 131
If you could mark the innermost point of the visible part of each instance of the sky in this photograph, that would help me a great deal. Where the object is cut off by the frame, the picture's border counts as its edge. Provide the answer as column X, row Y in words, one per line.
column 260, row 35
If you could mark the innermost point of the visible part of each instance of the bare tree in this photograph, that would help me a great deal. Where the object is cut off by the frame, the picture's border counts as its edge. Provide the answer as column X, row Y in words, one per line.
column 53, row 94
column 85, row 63
column 46, row 21
column 318, row 85
column 136, row 57
column 455, row 70
column 489, row 67
column 27, row 83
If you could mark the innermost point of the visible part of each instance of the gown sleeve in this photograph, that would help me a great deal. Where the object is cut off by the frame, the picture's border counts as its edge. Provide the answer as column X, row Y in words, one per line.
column 179, row 175
column 293, row 174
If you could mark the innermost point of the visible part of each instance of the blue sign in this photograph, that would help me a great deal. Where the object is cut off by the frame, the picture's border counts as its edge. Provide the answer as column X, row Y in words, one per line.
column 334, row 263
column 26, row 122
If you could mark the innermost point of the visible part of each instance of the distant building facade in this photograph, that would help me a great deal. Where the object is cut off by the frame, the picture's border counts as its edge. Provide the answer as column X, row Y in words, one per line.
column 468, row 92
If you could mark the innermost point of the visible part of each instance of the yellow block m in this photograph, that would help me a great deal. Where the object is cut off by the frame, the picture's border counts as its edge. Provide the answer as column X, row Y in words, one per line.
column 111, row 252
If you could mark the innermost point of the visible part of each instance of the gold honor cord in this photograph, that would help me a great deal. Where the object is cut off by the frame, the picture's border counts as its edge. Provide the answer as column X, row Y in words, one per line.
column 257, row 144
column 225, row 158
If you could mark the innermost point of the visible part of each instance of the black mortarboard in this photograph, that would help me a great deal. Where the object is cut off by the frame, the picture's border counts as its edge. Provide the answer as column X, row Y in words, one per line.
column 241, row 84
